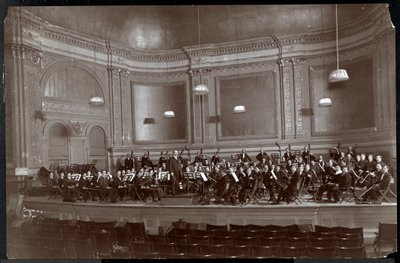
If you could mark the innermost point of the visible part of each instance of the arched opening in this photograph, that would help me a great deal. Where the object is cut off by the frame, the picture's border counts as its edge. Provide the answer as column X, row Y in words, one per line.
column 97, row 147
column 58, row 151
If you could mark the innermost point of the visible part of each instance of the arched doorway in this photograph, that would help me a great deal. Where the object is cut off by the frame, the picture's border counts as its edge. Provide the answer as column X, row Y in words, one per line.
column 97, row 147
column 58, row 150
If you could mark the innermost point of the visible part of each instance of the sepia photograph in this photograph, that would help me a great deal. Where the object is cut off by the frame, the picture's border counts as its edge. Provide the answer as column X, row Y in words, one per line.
column 200, row 131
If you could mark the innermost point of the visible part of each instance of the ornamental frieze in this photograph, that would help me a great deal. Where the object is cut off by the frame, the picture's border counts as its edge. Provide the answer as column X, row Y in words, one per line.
column 60, row 107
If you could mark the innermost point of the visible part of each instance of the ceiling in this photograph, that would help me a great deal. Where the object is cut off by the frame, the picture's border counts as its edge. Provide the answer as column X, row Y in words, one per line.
column 173, row 27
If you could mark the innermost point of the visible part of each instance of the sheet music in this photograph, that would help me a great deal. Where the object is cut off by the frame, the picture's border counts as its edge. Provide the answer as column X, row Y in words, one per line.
column 203, row 176
column 235, row 177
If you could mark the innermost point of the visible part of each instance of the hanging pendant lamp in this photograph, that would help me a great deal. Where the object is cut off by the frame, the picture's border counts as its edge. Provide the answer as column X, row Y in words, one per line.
column 169, row 114
column 239, row 109
column 325, row 102
column 338, row 74
column 200, row 89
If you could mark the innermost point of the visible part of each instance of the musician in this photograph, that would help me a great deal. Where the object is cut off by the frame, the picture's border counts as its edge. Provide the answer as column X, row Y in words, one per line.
column 288, row 155
column 114, row 184
column 350, row 162
column 69, row 189
column 136, row 164
column 342, row 183
column 351, row 151
column 262, row 155
column 94, row 185
column 104, row 187
column 162, row 159
column 270, row 180
column 246, row 182
column 330, row 183
column 146, row 161
column 289, row 189
column 363, row 162
column 342, row 159
column 371, row 164
column 335, row 154
column 198, row 158
column 215, row 158
column 121, row 186
column 128, row 162
column 307, row 155
column 243, row 157
column 381, row 182
column 175, row 171
column 379, row 160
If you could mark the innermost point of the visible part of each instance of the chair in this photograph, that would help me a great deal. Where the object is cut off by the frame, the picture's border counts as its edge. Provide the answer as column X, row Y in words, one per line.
column 222, row 240
column 324, row 229
column 322, row 234
column 139, row 255
column 199, row 256
column 156, row 238
column 200, row 240
column 142, row 247
column 295, row 241
column 293, row 227
column 172, row 256
column 253, row 233
column 66, row 244
column 84, row 249
column 121, row 255
column 138, row 230
column 106, row 225
column 178, row 239
column 272, row 228
column 123, row 235
column 216, row 227
column 255, row 227
column 166, row 248
column 237, row 227
column 244, row 240
column 321, row 252
column 270, row 241
column 217, row 250
column 193, row 249
column 349, row 242
column 293, row 252
column 69, row 234
column 322, row 242
column 239, row 250
column 266, row 251
column 350, row 252
column 291, row 233
column 275, row 233
column 103, row 244
column 59, row 253
column 386, row 236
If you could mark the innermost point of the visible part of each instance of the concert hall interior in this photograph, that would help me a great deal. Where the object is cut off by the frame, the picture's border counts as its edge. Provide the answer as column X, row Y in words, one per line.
column 200, row 118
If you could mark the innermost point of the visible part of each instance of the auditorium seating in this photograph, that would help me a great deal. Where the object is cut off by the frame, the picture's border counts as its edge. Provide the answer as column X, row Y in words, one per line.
column 105, row 241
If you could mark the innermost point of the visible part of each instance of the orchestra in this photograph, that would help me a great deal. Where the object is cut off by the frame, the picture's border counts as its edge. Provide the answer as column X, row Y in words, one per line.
column 227, row 182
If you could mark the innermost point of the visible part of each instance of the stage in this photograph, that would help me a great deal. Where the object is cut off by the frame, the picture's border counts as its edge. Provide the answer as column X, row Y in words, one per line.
column 156, row 214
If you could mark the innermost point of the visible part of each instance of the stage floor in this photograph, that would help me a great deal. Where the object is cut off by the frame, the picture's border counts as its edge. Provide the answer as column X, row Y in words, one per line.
column 156, row 215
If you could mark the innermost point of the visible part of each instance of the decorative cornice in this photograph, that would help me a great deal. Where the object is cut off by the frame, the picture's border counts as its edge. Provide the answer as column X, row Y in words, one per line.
column 45, row 30
column 69, row 108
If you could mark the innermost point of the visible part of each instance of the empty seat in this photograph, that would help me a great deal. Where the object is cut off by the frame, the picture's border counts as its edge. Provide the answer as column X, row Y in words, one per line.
column 173, row 256
column 321, row 252
column 322, row 242
column 239, row 250
column 270, row 241
column 103, row 243
column 84, row 249
column 142, row 247
column 167, row 248
column 255, row 227
column 144, row 255
column 205, row 256
column 138, row 231
column 217, row 250
column 386, row 238
column 222, row 239
column 295, row 241
column 349, row 242
column 69, row 234
column 188, row 248
column 216, row 227
column 266, row 251
column 178, row 238
column 66, row 244
column 293, row 252
column 322, row 234
column 244, row 240
column 238, row 227
column 156, row 238
column 200, row 239
column 275, row 233
column 319, row 228
column 350, row 252
column 292, row 233
column 121, row 255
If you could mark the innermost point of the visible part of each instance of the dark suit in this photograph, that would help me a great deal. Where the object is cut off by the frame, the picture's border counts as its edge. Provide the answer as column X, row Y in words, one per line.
column 175, row 168
column 128, row 164
column 343, row 182
column 381, row 183
column 244, row 157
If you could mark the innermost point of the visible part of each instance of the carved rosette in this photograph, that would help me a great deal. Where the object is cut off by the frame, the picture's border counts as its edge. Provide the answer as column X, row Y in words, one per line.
column 77, row 126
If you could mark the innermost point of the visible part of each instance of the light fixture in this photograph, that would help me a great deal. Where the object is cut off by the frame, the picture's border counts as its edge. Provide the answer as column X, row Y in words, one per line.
column 200, row 89
column 169, row 114
column 149, row 121
column 325, row 102
column 337, row 75
column 95, row 100
column 239, row 109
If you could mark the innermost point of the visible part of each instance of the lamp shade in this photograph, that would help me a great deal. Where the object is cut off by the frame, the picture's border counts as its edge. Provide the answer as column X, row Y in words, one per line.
column 149, row 121
column 239, row 109
column 96, row 100
column 200, row 89
column 338, row 75
column 169, row 114
column 325, row 102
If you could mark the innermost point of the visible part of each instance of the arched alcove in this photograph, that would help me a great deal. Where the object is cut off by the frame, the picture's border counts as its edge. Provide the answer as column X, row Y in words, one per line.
column 97, row 147
column 58, row 149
